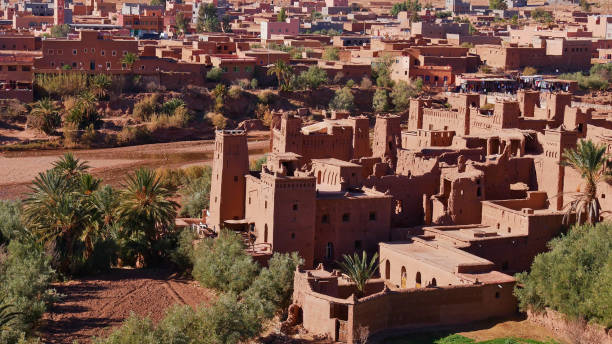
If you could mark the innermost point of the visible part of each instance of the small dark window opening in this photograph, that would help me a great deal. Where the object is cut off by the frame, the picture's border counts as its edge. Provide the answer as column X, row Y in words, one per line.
column 325, row 218
column 372, row 216
column 295, row 207
column 346, row 217
column 504, row 266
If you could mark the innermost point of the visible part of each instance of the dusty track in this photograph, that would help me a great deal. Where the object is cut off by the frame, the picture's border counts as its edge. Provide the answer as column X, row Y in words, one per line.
column 18, row 169
column 91, row 305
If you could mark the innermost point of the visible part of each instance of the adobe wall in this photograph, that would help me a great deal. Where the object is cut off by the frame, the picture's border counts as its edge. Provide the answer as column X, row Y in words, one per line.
column 427, row 307
column 569, row 329
column 501, row 174
column 349, row 225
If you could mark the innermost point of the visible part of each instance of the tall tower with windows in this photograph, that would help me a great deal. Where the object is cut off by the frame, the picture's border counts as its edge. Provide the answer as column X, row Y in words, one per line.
column 58, row 12
column 227, row 189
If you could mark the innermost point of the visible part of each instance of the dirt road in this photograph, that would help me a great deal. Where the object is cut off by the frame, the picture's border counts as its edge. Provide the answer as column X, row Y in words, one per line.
column 18, row 169
column 91, row 305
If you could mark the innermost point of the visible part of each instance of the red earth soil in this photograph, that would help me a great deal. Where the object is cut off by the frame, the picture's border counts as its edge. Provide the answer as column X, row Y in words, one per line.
column 91, row 306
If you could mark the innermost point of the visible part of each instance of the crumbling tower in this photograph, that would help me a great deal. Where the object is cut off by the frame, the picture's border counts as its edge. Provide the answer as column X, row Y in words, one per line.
column 361, row 137
column 387, row 137
column 230, row 165
column 528, row 100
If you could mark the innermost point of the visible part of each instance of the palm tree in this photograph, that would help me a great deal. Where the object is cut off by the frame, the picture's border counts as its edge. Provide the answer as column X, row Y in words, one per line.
column 359, row 269
column 283, row 73
column 70, row 166
column 591, row 161
column 45, row 115
column 100, row 84
column 129, row 60
column 146, row 205
column 56, row 214
column 105, row 202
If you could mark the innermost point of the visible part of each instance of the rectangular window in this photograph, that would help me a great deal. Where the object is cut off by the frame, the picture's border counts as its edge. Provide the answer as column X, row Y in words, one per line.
column 236, row 69
column 372, row 216
column 26, row 68
column 102, row 52
column 325, row 218
column 108, row 65
column 12, row 68
column 346, row 217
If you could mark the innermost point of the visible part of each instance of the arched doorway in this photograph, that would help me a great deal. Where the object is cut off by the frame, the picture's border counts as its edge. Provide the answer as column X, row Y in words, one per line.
column 404, row 278
column 387, row 269
column 329, row 254
column 418, row 280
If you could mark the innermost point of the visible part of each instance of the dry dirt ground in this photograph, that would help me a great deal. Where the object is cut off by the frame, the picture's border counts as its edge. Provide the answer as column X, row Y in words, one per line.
column 93, row 304
column 18, row 169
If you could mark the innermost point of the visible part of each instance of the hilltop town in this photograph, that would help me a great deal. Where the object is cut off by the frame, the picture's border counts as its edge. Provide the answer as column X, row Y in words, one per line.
column 320, row 171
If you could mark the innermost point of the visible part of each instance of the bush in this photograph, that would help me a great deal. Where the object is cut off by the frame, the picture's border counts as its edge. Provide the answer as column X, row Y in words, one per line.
column 214, row 74
column 222, row 263
column 256, row 164
column 529, row 71
column 62, row 84
column 380, row 101
column 312, row 78
column 171, row 105
column 183, row 255
column 11, row 226
column 25, row 276
column 60, row 31
column 266, row 97
column 234, row 92
column 134, row 135
column 574, row 277
column 254, row 84
column 350, row 83
column 274, row 284
column 218, row 120
column 196, row 195
column 366, row 83
column 403, row 91
column 145, row 108
column 343, row 100
column 331, row 54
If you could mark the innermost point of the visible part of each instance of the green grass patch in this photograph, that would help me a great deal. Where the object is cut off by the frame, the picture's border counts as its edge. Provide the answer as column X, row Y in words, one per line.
column 445, row 338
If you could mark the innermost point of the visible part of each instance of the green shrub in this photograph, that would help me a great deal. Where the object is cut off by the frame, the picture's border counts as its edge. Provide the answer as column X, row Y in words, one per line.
column 11, row 226
column 218, row 120
column 380, row 101
column 171, row 105
column 222, row 263
column 266, row 97
column 183, row 255
column 403, row 91
column 145, row 108
column 134, row 135
column 62, row 84
column 312, row 78
column 256, row 164
column 574, row 277
column 254, row 84
column 274, row 284
column 234, row 92
column 214, row 74
column 196, row 195
column 25, row 276
column 133, row 330
column 343, row 100
column 331, row 54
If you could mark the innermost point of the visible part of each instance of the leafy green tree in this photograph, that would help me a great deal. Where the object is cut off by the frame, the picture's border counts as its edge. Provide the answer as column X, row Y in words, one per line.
column 381, row 70
column 498, row 5
column 585, row 5
column 222, row 263
column 226, row 24
column 60, row 31
column 403, row 91
column 181, row 22
column 313, row 77
column 573, row 277
column 283, row 73
column 398, row 7
column 146, row 208
column 360, row 269
column 275, row 283
column 196, row 195
column 343, row 100
column 281, row 16
column 380, row 101
column 331, row 54
column 208, row 19
column 45, row 116
column 592, row 163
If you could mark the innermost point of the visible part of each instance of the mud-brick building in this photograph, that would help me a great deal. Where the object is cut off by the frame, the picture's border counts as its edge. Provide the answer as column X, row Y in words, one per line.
column 16, row 75
column 91, row 52
column 321, row 211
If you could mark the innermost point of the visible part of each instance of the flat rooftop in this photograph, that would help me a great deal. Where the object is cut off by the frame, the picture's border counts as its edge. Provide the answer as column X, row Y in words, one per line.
column 444, row 257
column 336, row 162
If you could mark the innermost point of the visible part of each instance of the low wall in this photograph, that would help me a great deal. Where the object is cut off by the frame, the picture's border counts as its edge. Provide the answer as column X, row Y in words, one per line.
column 575, row 331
